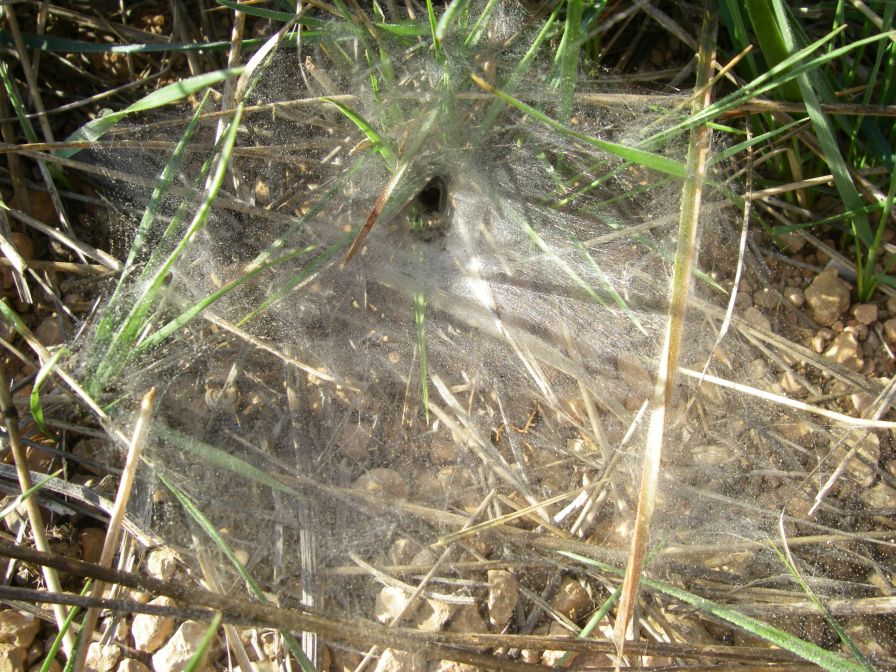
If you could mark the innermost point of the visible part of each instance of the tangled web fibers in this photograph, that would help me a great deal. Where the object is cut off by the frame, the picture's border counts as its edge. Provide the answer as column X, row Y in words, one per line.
column 491, row 338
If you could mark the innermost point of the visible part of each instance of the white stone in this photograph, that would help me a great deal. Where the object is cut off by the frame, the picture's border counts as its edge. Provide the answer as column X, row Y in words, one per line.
column 131, row 665
column 18, row 628
column 175, row 655
column 828, row 296
column 390, row 602
column 161, row 563
column 150, row 631
column 102, row 658
column 845, row 350
column 503, row 594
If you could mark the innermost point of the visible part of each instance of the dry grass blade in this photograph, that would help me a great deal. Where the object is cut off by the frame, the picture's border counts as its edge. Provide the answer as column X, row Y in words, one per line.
column 698, row 154
column 113, row 533
column 11, row 422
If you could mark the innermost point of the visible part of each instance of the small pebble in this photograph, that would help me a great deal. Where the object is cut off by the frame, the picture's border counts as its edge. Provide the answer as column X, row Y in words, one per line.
column 845, row 350
column 865, row 313
column 827, row 296
column 795, row 296
column 890, row 330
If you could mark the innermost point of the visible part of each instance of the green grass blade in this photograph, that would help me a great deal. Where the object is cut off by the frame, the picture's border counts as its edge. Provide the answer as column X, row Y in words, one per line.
column 196, row 659
column 122, row 343
column 448, row 16
column 772, row 42
column 50, row 657
column 380, row 145
column 846, row 188
column 519, row 72
column 805, row 650
column 9, row 508
column 255, row 10
column 567, row 59
column 216, row 457
column 787, row 559
column 595, row 620
column 250, row 581
column 16, row 102
column 172, row 93
column 37, row 411
column 196, row 309
column 433, row 27
column 635, row 155
column 476, row 31
column 106, row 324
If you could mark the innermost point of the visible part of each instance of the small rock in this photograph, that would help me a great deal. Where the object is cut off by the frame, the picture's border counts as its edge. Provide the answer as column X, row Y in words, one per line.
column 638, row 384
column 571, row 599
column 891, row 305
column 503, row 595
column 828, row 296
column 467, row 619
column 18, row 628
column 890, row 330
column 452, row 666
column 865, row 313
column 795, row 296
column 101, row 658
column 399, row 661
column 402, row 551
column 379, row 481
column 554, row 658
column 150, row 631
column 790, row 384
column 12, row 657
column 845, row 350
column 49, row 331
column 861, row 401
column 390, row 602
column 444, row 451
column 38, row 666
column 754, row 317
column 793, row 241
column 766, row 298
column 433, row 615
column 821, row 339
column 131, row 665
column 91, row 540
column 879, row 496
column 161, row 563
column 180, row 648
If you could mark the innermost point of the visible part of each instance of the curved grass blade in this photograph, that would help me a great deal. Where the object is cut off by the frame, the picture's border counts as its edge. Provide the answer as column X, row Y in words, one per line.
column 635, row 155
column 37, row 411
column 433, row 29
column 567, row 58
column 105, row 327
column 219, row 458
column 787, row 559
column 122, row 344
column 9, row 508
column 805, row 650
column 172, row 93
column 251, row 583
column 196, row 659
column 196, row 309
column 379, row 143
column 448, row 16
